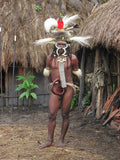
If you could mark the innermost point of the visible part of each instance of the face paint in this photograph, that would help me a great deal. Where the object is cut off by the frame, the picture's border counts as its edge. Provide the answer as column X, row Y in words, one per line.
column 61, row 48
column 61, row 58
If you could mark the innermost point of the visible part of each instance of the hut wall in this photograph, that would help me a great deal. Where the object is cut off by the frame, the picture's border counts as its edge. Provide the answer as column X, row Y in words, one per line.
column 11, row 97
column 114, row 67
column 97, row 75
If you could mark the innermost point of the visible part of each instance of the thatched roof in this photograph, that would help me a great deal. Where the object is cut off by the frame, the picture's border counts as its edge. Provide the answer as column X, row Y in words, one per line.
column 29, row 24
column 104, row 25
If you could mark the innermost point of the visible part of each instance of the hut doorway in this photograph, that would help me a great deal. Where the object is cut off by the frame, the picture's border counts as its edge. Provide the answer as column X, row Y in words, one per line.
column 115, row 69
column 2, row 82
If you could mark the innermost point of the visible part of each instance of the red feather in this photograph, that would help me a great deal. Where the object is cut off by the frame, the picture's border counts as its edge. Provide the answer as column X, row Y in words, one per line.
column 60, row 23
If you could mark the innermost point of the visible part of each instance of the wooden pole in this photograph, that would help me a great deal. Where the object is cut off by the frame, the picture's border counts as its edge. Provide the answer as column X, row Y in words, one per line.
column 94, row 88
column 13, row 84
column 118, row 70
column 1, row 68
column 82, row 80
column 108, row 75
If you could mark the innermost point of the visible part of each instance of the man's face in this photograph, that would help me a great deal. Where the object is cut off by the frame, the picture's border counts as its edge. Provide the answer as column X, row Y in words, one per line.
column 61, row 45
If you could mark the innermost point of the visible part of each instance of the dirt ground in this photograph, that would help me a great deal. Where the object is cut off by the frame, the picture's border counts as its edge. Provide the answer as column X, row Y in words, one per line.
column 86, row 139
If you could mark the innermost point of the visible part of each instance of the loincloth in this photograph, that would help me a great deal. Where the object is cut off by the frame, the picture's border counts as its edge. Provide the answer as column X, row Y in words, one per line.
column 75, row 87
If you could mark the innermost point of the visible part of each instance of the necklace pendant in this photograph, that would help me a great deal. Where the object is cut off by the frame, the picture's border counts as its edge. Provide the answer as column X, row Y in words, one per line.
column 61, row 59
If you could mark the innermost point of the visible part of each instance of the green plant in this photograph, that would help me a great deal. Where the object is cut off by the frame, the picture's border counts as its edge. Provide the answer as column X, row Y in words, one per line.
column 104, row 1
column 113, row 87
column 86, row 102
column 86, row 95
column 27, row 86
column 37, row 8
column 74, row 100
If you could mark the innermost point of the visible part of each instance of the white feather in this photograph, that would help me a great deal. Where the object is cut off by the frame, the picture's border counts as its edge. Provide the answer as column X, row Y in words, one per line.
column 82, row 40
column 49, row 24
column 44, row 41
column 70, row 20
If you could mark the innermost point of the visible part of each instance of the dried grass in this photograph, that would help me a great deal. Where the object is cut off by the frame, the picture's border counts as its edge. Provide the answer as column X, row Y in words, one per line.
column 104, row 25
column 29, row 28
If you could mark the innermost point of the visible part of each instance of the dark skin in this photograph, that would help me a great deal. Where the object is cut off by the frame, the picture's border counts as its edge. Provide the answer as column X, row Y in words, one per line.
column 55, row 102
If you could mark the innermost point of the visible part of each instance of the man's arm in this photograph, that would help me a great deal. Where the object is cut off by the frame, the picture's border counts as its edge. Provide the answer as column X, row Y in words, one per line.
column 75, row 67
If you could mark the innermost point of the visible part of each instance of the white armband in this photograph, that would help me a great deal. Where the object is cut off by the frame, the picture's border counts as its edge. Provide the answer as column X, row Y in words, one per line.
column 78, row 73
column 46, row 72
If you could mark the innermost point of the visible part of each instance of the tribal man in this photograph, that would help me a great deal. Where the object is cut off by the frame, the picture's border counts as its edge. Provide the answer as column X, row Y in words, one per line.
column 61, row 65
column 70, row 64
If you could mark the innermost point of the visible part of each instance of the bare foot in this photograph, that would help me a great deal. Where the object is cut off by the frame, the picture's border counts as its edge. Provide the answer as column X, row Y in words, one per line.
column 47, row 144
column 61, row 144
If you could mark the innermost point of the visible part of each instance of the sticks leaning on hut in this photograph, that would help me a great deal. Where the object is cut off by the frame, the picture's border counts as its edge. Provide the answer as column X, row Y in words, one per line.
column 111, row 110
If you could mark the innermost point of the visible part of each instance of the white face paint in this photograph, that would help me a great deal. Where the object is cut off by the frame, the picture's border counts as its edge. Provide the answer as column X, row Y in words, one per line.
column 61, row 47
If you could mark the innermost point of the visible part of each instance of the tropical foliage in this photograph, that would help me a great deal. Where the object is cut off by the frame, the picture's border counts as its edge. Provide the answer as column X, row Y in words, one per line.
column 27, row 86
column 74, row 102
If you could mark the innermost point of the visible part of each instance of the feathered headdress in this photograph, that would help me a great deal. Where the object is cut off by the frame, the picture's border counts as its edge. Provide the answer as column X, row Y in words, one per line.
column 61, row 30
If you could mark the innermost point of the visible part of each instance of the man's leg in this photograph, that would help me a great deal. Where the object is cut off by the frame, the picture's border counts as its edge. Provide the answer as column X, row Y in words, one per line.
column 67, row 99
column 54, row 104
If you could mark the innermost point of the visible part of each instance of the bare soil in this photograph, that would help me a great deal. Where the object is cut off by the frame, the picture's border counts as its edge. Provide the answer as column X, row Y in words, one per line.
column 22, row 132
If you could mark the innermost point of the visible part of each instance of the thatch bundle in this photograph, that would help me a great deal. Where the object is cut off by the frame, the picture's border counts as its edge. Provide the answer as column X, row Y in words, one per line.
column 104, row 25
column 29, row 27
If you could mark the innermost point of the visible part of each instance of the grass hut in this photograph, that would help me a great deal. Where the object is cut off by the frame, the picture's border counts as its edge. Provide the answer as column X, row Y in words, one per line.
column 103, row 59
column 24, row 19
